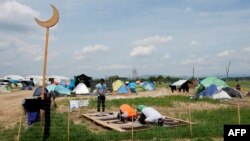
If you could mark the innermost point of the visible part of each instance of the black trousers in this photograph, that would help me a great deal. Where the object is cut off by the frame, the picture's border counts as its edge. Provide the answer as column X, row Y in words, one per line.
column 142, row 119
column 100, row 101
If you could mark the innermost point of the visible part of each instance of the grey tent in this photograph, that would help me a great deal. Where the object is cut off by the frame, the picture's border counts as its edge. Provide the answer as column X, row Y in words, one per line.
column 38, row 92
column 232, row 92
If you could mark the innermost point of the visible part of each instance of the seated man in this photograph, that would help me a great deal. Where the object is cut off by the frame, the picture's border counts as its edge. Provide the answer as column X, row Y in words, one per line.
column 150, row 115
column 127, row 113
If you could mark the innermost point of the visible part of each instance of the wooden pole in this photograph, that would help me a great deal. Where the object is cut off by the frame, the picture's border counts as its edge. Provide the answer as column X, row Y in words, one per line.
column 238, row 113
column 190, row 125
column 44, row 72
column 68, row 126
column 19, row 130
column 132, row 130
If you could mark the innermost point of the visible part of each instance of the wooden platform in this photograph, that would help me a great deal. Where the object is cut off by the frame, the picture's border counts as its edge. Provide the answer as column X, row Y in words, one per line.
column 109, row 120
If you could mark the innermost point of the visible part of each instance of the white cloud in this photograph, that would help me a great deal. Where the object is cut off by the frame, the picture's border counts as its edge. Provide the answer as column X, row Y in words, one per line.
column 225, row 53
column 194, row 43
column 188, row 9
column 166, row 57
column 142, row 51
column 195, row 60
column 3, row 44
column 204, row 14
column 89, row 50
column 247, row 49
column 153, row 40
column 15, row 11
column 112, row 67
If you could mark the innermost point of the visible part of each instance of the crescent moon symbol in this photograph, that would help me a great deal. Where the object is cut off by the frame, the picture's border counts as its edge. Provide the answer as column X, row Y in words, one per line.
column 52, row 21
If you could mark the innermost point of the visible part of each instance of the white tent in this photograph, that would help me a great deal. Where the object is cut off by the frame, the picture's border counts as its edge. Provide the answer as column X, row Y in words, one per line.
column 37, row 79
column 178, row 83
column 13, row 77
column 58, row 78
column 221, row 95
column 81, row 88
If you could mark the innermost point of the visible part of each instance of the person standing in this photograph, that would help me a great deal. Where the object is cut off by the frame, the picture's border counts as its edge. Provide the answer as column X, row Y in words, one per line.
column 101, row 91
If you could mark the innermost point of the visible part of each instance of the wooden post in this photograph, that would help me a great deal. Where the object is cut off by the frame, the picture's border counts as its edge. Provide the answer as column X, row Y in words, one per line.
column 44, row 72
column 132, row 130
column 68, row 126
column 19, row 130
column 190, row 120
column 238, row 113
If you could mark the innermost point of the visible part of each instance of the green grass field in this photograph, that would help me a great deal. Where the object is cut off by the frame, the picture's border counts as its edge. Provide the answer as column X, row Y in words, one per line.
column 209, row 124
column 245, row 84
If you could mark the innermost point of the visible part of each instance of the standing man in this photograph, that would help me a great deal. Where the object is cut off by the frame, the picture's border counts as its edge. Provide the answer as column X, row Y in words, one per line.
column 101, row 91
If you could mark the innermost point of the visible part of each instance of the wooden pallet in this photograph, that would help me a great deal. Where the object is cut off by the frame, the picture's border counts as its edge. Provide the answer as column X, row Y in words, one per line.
column 109, row 120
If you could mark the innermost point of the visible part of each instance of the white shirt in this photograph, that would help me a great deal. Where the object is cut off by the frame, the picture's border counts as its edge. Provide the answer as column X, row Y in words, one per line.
column 152, row 115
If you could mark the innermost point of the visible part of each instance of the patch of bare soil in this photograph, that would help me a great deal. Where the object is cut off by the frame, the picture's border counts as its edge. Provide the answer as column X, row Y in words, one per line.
column 11, row 107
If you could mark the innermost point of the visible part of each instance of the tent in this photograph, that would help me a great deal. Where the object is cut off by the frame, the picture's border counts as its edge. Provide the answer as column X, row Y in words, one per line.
column 232, row 92
column 207, row 82
column 37, row 79
column 221, row 95
column 123, row 90
column 213, row 80
column 5, row 89
column 148, row 86
column 117, row 84
column 83, row 79
column 27, row 85
column 132, row 86
column 139, row 89
column 38, row 92
column 209, row 91
column 179, row 83
column 13, row 77
column 58, row 89
column 81, row 88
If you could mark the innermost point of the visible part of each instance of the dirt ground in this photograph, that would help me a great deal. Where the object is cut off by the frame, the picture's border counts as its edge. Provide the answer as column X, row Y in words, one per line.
column 11, row 109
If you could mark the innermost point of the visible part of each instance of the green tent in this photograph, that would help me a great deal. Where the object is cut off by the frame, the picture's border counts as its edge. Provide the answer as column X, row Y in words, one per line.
column 208, row 82
column 139, row 89
column 213, row 81
column 5, row 89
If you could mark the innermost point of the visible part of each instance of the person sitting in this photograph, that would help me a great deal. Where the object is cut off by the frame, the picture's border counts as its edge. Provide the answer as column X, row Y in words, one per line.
column 237, row 87
column 127, row 113
column 150, row 115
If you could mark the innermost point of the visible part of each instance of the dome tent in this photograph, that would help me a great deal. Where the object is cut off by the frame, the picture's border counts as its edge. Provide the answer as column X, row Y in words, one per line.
column 81, row 88
column 117, row 84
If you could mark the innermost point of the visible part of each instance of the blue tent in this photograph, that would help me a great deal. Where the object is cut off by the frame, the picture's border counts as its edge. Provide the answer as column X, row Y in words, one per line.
column 71, row 86
column 122, row 90
column 63, row 83
column 132, row 85
column 58, row 89
column 209, row 91
column 152, row 85
column 38, row 91
column 149, row 86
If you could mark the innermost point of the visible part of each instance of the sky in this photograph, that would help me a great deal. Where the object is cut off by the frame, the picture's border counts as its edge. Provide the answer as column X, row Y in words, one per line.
column 102, row 38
